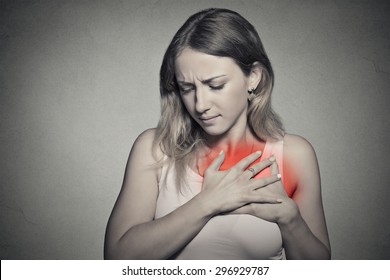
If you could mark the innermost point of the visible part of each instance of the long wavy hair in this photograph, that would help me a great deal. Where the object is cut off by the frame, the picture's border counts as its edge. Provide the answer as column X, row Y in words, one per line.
column 217, row 32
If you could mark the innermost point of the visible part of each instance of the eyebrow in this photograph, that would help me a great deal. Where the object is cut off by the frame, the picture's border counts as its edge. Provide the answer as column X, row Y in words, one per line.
column 203, row 81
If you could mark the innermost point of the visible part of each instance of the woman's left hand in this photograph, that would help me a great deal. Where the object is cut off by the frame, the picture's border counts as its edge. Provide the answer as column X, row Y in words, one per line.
column 277, row 213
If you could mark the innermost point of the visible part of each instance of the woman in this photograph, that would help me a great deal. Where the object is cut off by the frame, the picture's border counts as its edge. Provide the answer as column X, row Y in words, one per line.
column 218, row 178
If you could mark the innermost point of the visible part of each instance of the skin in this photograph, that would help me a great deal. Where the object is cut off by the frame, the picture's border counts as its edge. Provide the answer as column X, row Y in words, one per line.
column 132, row 231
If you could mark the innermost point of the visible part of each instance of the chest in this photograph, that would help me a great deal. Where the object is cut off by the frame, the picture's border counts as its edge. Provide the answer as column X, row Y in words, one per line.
column 224, row 236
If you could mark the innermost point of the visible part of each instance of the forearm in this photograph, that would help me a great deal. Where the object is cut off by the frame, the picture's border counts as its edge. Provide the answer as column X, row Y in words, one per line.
column 299, row 242
column 161, row 238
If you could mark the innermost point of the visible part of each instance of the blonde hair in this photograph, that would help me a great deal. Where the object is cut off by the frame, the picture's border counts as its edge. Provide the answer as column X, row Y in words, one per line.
column 218, row 32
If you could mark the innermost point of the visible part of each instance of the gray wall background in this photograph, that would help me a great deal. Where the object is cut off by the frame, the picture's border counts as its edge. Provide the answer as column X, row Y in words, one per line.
column 79, row 82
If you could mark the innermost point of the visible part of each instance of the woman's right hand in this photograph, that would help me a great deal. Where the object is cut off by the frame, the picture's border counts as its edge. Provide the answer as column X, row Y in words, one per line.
column 227, row 190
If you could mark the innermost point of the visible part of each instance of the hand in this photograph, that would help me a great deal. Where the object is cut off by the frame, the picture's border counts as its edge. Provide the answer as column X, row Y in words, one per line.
column 277, row 213
column 233, row 188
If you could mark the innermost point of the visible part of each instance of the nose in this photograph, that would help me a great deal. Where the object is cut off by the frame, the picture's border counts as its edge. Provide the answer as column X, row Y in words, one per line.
column 202, row 102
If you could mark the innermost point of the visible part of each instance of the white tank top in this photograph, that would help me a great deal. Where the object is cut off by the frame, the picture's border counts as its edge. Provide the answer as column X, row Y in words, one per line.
column 238, row 236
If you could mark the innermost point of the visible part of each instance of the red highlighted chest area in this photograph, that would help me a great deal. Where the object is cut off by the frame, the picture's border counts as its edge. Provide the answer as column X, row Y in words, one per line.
column 233, row 157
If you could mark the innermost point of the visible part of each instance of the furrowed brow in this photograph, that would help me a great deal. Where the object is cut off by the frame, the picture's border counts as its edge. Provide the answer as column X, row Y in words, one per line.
column 184, row 83
column 203, row 81
column 211, row 79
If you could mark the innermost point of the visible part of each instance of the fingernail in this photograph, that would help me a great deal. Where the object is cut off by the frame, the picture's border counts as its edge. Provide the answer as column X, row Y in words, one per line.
column 258, row 152
column 272, row 158
column 279, row 176
column 220, row 153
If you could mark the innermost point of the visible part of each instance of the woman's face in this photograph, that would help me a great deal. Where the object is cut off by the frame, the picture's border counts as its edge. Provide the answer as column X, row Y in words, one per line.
column 214, row 91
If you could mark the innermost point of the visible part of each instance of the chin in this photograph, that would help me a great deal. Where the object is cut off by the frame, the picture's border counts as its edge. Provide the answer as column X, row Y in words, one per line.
column 214, row 131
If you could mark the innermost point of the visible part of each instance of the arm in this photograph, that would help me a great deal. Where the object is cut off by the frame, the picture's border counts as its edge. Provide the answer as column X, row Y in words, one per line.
column 133, row 233
column 303, row 228
column 300, row 219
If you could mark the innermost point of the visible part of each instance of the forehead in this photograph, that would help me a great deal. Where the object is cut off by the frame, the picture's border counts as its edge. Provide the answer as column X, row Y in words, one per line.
column 191, row 63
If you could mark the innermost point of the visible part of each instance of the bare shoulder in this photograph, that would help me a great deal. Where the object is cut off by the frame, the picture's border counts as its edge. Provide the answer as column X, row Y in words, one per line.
column 297, row 148
column 143, row 147
column 143, row 159
column 146, row 137
column 301, row 160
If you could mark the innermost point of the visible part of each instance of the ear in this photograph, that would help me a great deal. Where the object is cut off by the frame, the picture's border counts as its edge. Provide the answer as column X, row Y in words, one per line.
column 255, row 75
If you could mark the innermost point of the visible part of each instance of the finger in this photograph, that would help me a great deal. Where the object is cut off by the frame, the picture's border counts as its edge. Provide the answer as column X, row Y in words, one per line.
column 246, row 161
column 263, row 199
column 271, row 200
column 274, row 167
column 217, row 161
column 256, row 168
column 255, row 184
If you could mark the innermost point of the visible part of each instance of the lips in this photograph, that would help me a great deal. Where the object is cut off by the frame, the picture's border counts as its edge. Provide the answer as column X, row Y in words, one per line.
column 208, row 119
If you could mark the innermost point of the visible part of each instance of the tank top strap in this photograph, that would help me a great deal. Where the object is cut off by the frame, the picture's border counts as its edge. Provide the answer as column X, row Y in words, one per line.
column 164, row 173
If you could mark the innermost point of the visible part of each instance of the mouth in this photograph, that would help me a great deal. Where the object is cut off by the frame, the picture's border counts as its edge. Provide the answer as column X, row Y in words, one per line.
column 208, row 120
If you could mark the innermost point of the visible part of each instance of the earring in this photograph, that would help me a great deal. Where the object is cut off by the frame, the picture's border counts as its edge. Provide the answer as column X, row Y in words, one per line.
column 251, row 94
column 251, row 91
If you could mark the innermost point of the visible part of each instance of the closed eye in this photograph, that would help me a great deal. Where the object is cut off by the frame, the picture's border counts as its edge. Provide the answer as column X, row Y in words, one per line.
column 184, row 90
column 219, row 87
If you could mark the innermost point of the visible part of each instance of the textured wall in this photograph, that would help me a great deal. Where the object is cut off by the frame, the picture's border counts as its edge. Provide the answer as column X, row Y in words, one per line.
column 79, row 82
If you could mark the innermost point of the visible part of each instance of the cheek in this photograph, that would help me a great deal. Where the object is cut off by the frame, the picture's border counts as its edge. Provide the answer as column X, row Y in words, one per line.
column 238, row 96
column 235, row 103
column 189, row 108
column 188, row 105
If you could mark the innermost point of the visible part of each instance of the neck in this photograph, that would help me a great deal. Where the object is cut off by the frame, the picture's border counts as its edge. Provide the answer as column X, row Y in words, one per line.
column 235, row 148
column 233, row 142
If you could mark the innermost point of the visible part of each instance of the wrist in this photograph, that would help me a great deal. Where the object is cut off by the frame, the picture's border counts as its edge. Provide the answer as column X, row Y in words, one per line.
column 208, row 210
column 290, row 214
